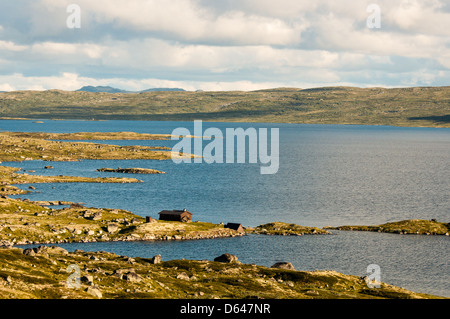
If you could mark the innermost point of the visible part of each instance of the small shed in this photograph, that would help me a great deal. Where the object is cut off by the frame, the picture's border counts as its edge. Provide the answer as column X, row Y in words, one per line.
column 235, row 226
column 176, row 215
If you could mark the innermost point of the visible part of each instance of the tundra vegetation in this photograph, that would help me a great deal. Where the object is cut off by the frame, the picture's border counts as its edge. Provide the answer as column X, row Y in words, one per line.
column 416, row 106
column 410, row 226
column 42, row 272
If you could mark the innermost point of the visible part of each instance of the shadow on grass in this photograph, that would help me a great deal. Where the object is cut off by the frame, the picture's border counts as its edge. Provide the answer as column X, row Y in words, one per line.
column 436, row 119
column 157, row 117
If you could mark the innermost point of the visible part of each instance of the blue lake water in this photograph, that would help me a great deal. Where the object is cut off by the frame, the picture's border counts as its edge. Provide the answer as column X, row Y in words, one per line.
column 328, row 175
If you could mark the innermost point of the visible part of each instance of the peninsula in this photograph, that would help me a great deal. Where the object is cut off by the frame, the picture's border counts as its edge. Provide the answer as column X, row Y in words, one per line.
column 404, row 227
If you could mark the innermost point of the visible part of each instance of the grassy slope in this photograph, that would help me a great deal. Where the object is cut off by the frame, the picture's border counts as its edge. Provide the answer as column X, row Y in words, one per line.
column 285, row 229
column 419, row 106
column 45, row 275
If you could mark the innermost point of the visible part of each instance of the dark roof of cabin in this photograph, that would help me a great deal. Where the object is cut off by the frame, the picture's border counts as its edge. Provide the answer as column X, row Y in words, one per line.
column 174, row 212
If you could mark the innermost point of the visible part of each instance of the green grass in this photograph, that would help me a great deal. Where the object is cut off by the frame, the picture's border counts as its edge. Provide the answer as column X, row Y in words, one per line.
column 285, row 229
column 44, row 276
column 419, row 106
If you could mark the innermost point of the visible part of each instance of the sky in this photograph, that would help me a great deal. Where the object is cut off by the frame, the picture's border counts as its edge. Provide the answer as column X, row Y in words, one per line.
column 223, row 45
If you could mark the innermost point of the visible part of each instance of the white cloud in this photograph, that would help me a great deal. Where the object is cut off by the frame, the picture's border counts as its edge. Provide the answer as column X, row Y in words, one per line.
column 92, row 51
column 11, row 46
column 202, row 44
column 422, row 17
column 183, row 20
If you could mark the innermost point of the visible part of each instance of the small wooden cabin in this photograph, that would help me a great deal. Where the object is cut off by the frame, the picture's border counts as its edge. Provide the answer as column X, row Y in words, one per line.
column 235, row 226
column 176, row 215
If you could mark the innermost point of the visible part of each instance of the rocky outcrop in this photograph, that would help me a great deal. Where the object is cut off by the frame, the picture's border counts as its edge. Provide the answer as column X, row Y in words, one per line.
column 156, row 260
column 44, row 250
column 283, row 265
column 285, row 229
column 226, row 258
column 130, row 170
column 112, row 228
column 95, row 292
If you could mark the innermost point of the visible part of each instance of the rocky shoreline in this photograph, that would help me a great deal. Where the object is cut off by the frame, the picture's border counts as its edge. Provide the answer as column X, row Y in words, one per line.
column 25, row 222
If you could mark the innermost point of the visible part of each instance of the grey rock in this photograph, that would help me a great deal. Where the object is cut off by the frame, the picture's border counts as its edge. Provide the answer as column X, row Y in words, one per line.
column 29, row 252
column 56, row 250
column 226, row 258
column 132, row 277
column 94, row 292
column 112, row 228
column 183, row 276
column 283, row 265
column 156, row 259
column 6, row 244
column 312, row 293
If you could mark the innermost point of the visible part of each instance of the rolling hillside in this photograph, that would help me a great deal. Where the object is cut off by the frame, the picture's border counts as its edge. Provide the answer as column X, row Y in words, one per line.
column 419, row 106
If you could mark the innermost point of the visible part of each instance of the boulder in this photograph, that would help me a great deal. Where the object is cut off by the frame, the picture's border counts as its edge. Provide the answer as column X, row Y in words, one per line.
column 283, row 265
column 56, row 250
column 183, row 276
column 226, row 258
column 6, row 244
column 123, row 271
column 40, row 249
column 97, row 216
column 29, row 252
column 112, row 228
column 94, row 292
column 156, row 259
column 132, row 277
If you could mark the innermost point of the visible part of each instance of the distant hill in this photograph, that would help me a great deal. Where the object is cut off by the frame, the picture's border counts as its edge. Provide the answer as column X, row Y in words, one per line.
column 415, row 106
column 105, row 89
column 163, row 89
column 109, row 89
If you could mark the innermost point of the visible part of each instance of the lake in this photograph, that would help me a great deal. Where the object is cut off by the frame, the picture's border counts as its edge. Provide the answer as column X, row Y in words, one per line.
column 328, row 175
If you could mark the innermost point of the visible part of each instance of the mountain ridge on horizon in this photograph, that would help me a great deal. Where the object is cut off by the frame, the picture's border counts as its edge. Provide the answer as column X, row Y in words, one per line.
column 110, row 89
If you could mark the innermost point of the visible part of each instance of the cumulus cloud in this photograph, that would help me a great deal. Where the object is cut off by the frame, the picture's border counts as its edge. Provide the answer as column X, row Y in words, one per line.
column 229, row 44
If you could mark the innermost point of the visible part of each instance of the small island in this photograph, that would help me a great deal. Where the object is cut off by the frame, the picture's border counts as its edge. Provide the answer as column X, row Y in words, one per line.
column 136, row 170
column 285, row 229
column 410, row 226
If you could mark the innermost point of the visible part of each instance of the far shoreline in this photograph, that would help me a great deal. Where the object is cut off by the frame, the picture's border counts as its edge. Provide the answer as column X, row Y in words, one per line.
column 224, row 121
